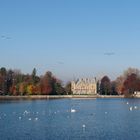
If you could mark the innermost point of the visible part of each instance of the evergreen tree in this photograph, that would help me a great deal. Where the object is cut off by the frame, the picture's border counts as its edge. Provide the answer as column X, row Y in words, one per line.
column 105, row 86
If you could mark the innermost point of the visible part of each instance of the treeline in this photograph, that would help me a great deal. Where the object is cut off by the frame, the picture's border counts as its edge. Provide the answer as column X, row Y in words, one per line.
column 126, row 84
column 13, row 82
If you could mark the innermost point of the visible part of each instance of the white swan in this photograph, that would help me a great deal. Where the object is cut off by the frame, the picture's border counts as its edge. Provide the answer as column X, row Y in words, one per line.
column 29, row 119
column 19, row 118
column 36, row 119
column 135, row 107
column 131, row 108
column 83, row 125
column 73, row 110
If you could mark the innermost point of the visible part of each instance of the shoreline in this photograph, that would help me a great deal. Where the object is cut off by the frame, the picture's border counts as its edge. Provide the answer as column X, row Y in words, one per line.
column 36, row 97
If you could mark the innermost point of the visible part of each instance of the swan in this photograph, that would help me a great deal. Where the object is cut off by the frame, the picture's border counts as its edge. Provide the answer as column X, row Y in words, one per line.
column 36, row 119
column 73, row 110
column 130, row 109
column 83, row 125
column 29, row 119
column 135, row 107
column 19, row 118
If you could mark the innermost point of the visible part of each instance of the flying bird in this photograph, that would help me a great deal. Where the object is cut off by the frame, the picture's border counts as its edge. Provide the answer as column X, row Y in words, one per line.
column 109, row 53
column 5, row 37
column 60, row 62
column 8, row 38
column 2, row 36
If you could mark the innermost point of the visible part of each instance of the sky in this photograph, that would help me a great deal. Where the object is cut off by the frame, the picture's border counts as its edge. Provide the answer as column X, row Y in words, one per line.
column 71, row 38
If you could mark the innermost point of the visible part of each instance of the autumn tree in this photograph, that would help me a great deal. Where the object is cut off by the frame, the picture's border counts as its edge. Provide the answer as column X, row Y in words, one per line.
column 124, row 83
column 13, row 82
column 120, row 84
column 18, row 79
column 18, row 76
column 130, row 71
column 22, row 88
column 131, row 84
column 30, row 89
column 47, row 84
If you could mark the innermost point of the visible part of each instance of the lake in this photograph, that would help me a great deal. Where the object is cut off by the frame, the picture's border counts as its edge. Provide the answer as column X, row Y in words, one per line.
column 70, row 119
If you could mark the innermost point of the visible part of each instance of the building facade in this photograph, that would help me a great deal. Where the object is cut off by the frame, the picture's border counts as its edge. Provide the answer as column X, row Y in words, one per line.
column 84, row 86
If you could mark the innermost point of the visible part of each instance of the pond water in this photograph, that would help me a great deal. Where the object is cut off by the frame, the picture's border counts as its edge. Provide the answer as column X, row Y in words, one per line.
column 70, row 119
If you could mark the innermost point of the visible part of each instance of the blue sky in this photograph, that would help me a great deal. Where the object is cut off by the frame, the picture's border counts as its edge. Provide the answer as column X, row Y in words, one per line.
column 71, row 38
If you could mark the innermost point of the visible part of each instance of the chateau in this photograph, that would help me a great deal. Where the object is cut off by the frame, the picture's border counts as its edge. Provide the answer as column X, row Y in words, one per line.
column 84, row 86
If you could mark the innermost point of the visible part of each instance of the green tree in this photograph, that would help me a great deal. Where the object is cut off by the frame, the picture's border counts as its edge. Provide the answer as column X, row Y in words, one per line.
column 9, row 81
column 68, row 88
column 3, row 73
column 58, row 88
column 105, row 86
column 34, row 76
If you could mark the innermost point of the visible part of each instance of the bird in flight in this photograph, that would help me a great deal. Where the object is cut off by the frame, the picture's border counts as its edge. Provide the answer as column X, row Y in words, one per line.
column 5, row 37
column 60, row 62
column 109, row 53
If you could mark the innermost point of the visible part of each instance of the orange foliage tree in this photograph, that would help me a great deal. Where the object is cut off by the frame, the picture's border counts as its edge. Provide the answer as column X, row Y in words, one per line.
column 131, row 84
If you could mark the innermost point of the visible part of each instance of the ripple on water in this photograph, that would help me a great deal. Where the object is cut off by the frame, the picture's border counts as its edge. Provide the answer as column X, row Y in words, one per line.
column 53, row 119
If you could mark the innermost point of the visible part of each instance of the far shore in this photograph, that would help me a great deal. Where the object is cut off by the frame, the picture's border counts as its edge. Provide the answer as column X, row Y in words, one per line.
column 32, row 97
